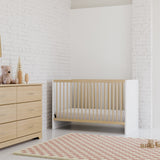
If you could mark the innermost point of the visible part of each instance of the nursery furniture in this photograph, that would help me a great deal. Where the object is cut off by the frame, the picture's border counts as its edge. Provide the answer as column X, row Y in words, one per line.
column 96, row 101
column 20, row 113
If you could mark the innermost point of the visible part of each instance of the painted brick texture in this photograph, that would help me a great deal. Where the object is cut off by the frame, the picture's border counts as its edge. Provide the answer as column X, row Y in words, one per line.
column 142, row 57
column 38, row 32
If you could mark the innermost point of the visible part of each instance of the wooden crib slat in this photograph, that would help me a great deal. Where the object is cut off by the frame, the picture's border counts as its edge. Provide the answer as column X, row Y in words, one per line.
column 108, row 101
column 104, row 101
column 117, row 103
column 81, row 101
column 60, row 100
column 89, row 99
column 74, row 101
column 71, row 100
column 121, row 101
column 112, row 99
column 85, row 103
column 56, row 98
column 101, row 101
column 67, row 100
column 84, row 91
column 93, row 98
column 86, row 98
column 78, row 98
column 63, row 100
column 97, row 101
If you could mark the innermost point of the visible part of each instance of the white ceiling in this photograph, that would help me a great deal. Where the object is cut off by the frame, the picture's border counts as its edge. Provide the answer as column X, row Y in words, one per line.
column 97, row 3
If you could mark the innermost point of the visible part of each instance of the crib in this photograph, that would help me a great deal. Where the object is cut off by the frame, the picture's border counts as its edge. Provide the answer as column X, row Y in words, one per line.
column 96, row 101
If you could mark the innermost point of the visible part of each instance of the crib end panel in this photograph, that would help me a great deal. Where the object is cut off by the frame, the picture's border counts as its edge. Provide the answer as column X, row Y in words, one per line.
column 131, row 106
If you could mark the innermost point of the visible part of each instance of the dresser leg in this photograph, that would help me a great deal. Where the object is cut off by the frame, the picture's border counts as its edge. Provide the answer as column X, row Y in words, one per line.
column 40, row 136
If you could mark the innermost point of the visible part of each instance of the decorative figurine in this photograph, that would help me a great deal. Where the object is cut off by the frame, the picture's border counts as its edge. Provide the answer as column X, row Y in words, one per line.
column 150, row 144
column 157, row 144
column 20, row 78
column 26, row 78
column 6, row 77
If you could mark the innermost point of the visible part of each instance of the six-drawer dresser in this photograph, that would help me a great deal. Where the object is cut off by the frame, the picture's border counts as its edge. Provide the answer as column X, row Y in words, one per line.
column 20, row 113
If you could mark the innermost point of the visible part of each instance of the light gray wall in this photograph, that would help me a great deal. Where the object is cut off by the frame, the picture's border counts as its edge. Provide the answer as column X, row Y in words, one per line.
column 101, row 42
column 97, row 3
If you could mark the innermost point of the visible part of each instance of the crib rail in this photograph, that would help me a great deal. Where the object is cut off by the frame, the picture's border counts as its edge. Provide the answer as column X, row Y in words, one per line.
column 95, row 101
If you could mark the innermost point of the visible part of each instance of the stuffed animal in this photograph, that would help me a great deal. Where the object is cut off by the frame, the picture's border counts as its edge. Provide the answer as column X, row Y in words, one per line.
column 6, row 77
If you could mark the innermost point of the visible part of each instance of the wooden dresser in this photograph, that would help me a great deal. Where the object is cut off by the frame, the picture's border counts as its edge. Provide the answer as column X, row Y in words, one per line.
column 20, row 113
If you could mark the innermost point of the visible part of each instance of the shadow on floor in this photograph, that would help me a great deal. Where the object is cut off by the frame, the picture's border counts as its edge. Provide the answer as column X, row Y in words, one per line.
column 110, row 129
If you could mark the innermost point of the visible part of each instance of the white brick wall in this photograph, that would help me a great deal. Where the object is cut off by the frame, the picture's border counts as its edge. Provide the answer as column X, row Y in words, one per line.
column 38, row 31
column 142, row 57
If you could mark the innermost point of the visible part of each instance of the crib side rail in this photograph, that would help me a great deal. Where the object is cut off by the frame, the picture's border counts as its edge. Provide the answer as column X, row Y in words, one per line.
column 97, row 101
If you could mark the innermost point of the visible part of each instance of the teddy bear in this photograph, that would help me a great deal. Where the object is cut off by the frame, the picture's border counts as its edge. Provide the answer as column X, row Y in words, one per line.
column 6, row 77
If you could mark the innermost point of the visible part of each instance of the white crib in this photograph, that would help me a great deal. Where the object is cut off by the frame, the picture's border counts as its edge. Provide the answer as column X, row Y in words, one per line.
column 96, row 101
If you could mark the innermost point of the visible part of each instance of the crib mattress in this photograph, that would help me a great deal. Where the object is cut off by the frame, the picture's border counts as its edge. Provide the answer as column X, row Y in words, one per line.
column 92, row 114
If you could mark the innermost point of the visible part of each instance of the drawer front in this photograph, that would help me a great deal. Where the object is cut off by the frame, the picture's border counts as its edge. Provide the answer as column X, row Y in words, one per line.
column 7, row 95
column 29, row 93
column 7, row 113
column 7, row 131
column 29, row 126
column 28, row 110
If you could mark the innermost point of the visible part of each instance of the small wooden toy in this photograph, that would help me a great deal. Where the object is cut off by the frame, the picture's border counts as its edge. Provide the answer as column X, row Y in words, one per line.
column 150, row 141
column 20, row 79
column 26, row 78
column 157, row 144
column 150, row 144
column 142, row 145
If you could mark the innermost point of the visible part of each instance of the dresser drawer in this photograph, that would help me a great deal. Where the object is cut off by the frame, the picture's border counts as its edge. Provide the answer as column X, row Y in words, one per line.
column 28, row 110
column 7, row 95
column 29, row 93
column 7, row 113
column 29, row 126
column 7, row 131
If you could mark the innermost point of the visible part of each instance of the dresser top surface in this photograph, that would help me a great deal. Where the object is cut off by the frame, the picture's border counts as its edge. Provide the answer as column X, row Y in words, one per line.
column 19, row 85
